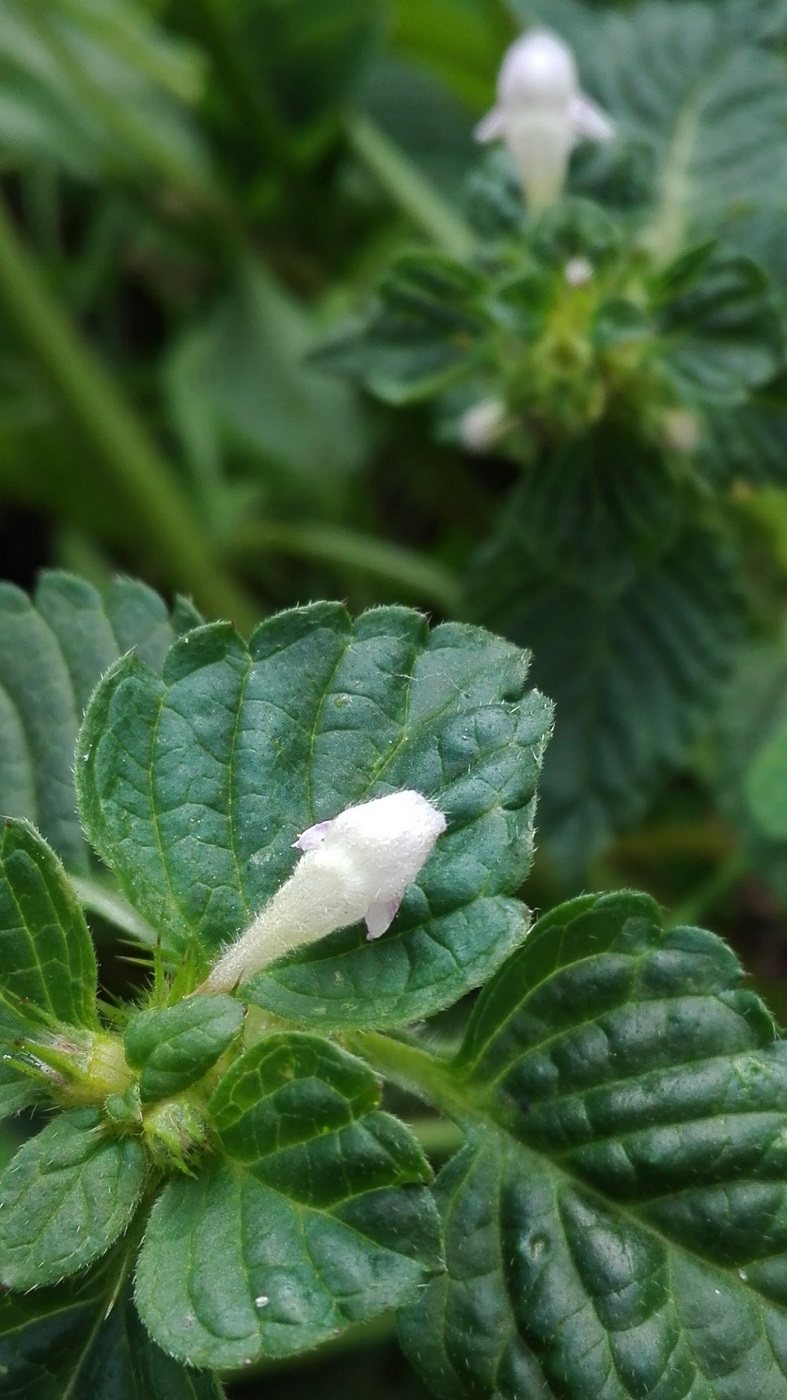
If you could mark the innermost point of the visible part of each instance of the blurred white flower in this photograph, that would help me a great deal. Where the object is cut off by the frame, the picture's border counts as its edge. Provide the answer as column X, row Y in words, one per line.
column 541, row 114
column 481, row 425
column 355, row 867
column 578, row 272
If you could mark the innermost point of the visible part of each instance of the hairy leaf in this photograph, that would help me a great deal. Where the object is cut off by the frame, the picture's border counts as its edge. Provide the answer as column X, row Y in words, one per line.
column 65, row 1198
column 175, row 1046
column 53, row 649
column 616, row 1226
column 317, row 1217
column 196, row 786
column 47, row 959
column 63, row 1344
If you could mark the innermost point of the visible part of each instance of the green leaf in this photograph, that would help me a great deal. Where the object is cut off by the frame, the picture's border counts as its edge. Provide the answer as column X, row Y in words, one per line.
column 62, row 1344
column 46, row 952
column 634, row 672
column 615, row 1225
column 766, row 786
column 425, row 331
column 317, row 1218
column 94, row 87
column 196, row 786
column 175, row 1046
column 752, row 714
column 749, row 443
column 17, row 1091
column 65, row 1198
column 248, row 372
column 723, row 333
column 692, row 89
column 53, row 649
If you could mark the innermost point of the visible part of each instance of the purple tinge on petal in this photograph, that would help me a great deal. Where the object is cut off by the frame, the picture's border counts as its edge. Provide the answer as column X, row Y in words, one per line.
column 379, row 917
column 312, row 837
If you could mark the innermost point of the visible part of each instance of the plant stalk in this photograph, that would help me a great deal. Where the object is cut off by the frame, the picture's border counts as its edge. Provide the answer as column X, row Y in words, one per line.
column 175, row 536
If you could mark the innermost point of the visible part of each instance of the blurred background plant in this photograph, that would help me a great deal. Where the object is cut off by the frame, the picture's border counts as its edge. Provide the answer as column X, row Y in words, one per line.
column 274, row 327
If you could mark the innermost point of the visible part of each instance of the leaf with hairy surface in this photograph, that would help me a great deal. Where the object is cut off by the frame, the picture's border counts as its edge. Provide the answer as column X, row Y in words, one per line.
column 195, row 786
column 615, row 1225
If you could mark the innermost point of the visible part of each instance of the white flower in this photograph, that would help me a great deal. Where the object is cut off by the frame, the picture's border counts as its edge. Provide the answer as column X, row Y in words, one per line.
column 578, row 272
column 482, row 425
column 355, row 867
column 541, row 114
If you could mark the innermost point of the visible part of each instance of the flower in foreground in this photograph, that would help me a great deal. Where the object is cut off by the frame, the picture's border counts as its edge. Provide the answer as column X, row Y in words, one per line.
column 353, row 868
column 541, row 114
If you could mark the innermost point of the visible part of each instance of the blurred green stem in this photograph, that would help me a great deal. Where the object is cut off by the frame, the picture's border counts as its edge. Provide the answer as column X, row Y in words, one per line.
column 131, row 461
column 706, row 896
column 409, row 189
column 414, row 574
column 242, row 86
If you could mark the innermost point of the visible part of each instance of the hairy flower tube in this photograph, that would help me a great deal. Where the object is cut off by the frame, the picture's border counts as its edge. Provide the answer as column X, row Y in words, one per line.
column 541, row 114
column 355, row 867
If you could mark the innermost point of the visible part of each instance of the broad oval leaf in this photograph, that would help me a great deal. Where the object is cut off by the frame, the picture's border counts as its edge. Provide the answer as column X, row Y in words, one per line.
column 616, row 1224
column 175, row 1046
column 317, row 1217
column 70, row 1342
column 54, row 647
column 65, row 1198
column 194, row 787
column 47, row 960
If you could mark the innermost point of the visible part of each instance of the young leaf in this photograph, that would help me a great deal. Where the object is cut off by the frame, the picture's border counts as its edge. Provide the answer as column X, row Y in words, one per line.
column 194, row 788
column 53, row 649
column 317, row 1217
column 46, row 952
column 17, row 1091
column 63, row 1344
column 176, row 1045
column 615, row 1224
column 633, row 671
column 65, row 1198
column 425, row 332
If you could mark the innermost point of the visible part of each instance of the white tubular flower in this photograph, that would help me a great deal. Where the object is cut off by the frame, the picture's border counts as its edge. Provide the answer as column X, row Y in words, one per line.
column 355, row 867
column 541, row 114
column 482, row 425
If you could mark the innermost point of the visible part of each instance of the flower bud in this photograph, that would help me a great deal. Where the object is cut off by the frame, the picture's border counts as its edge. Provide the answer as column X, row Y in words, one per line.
column 355, row 867
column 482, row 425
column 541, row 114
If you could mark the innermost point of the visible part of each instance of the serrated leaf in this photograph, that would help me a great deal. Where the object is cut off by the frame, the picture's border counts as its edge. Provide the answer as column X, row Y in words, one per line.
column 616, row 1227
column 175, row 1046
column 17, row 1091
column 425, row 331
column 723, row 333
column 62, row 1344
column 692, row 87
column 197, row 785
column 317, row 1217
column 633, row 671
column 53, row 649
column 749, row 443
column 47, row 960
column 65, row 1198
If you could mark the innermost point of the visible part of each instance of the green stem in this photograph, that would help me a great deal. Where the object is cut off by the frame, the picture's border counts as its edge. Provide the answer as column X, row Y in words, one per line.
column 132, row 465
column 418, row 1072
column 415, row 575
column 411, row 191
column 696, row 906
column 110, row 905
column 242, row 87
